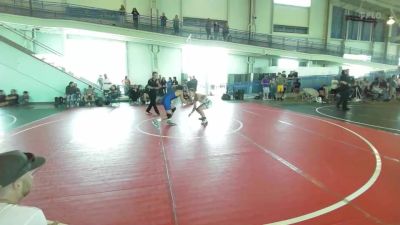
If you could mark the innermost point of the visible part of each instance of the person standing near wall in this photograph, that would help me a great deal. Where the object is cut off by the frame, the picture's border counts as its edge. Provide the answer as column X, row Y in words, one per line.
column 393, row 87
column 25, row 98
column 13, row 98
column 216, row 30
column 69, row 94
column 225, row 31
column 344, row 90
column 3, row 97
column 280, row 86
column 265, row 82
column 163, row 84
column 122, row 13
column 163, row 22
column 194, row 82
column 208, row 28
column 153, row 86
column 175, row 82
column 135, row 16
column 169, row 85
column 127, row 83
column 106, row 83
column 176, row 25
column 100, row 81
column 398, row 81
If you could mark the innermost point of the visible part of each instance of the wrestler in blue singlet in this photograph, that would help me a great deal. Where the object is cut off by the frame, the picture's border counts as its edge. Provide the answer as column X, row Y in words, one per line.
column 168, row 99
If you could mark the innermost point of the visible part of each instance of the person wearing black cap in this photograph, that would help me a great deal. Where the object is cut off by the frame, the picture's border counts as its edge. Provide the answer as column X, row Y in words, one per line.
column 16, row 180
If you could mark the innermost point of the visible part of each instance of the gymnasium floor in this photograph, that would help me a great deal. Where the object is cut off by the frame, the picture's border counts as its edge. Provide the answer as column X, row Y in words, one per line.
column 269, row 163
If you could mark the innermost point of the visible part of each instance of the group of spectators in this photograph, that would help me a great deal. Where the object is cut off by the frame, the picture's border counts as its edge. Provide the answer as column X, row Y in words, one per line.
column 75, row 98
column 13, row 98
column 274, row 87
column 139, row 94
column 175, row 23
column 136, row 16
column 213, row 28
column 346, row 87
column 216, row 27
column 380, row 88
column 342, row 89
column 111, row 91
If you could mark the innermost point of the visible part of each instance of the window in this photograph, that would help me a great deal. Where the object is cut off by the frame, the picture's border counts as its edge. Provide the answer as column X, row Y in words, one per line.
column 395, row 33
column 352, row 29
column 353, row 24
column 379, row 31
column 300, row 3
column 290, row 29
column 366, row 31
column 337, row 22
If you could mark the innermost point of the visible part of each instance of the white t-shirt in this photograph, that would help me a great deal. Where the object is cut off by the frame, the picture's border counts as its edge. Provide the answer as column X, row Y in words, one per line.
column 11, row 214
column 106, row 84
column 334, row 84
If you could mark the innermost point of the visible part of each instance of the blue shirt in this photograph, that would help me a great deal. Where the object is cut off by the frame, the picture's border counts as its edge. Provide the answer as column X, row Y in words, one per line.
column 168, row 99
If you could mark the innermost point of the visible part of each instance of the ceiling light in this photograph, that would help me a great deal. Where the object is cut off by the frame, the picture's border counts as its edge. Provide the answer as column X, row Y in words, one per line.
column 390, row 21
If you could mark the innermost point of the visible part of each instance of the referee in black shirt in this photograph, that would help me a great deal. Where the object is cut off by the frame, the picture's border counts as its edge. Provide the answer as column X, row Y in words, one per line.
column 344, row 90
column 153, row 85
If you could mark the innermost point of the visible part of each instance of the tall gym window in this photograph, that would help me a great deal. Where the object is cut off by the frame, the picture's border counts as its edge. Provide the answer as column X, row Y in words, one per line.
column 355, row 26
column 337, row 22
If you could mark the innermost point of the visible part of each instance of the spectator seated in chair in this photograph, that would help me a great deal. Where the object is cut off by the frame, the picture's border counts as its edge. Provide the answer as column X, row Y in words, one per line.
column 89, row 96
column 70, row 91
column 25, row 98
column 144, row 94
column 12, row 98
column 322, row 93
column 383, row 85
column 59, row 101
column 112, row 94
column 334, row 88
column 376, row 91
column 134, row 94
column 368, row 93
column 296, row 85
column 3, row 101
column 78, row 96
column 239, row 95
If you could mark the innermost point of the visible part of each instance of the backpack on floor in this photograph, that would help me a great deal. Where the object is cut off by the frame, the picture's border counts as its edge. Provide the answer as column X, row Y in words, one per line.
column 99, row 102
column 58, row 101
column 226, row 97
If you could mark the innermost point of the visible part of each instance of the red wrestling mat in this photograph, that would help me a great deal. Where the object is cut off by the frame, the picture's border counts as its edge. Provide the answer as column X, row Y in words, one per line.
column 252, row 164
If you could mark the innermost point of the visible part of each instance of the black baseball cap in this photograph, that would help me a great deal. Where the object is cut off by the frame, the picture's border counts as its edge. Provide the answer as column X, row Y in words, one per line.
column 15, row 164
